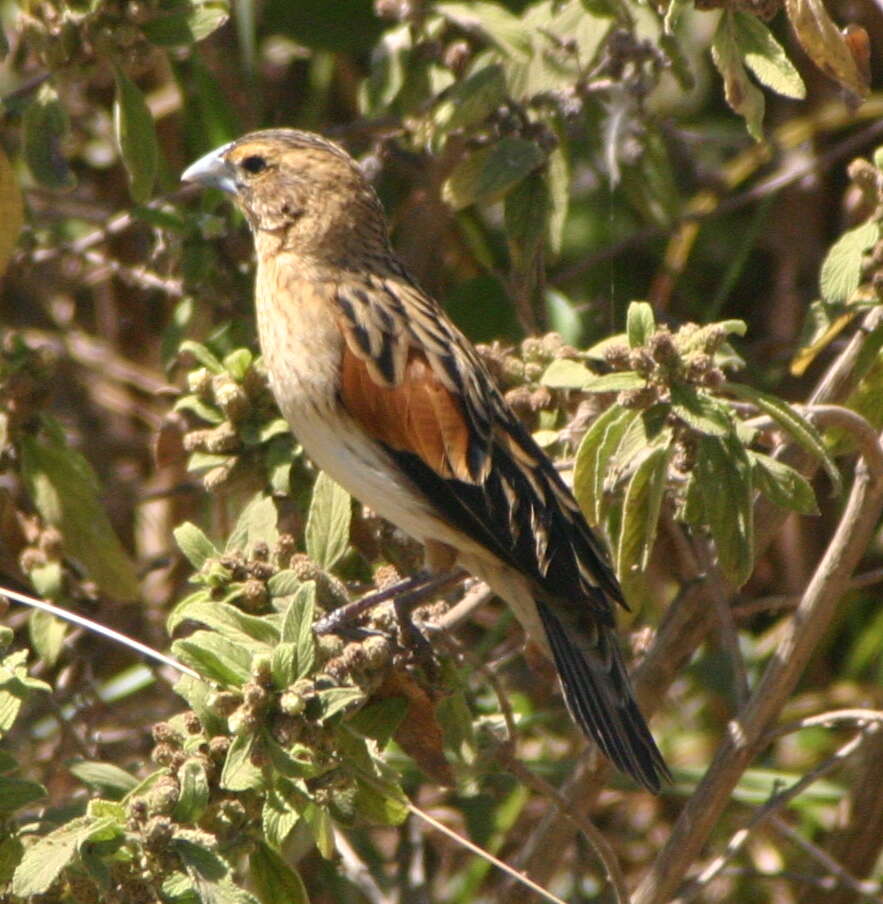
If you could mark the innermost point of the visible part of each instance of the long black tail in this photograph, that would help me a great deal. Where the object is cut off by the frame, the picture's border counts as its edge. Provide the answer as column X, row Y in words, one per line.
column 599, row 696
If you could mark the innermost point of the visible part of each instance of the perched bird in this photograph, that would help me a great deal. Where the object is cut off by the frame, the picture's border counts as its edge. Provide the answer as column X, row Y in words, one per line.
column 392, row 401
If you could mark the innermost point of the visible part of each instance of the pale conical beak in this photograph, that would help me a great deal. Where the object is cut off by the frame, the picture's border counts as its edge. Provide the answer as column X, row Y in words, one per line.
column 212, row 170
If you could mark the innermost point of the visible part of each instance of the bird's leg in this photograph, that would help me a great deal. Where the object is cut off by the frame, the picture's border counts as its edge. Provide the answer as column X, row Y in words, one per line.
column 411, row 590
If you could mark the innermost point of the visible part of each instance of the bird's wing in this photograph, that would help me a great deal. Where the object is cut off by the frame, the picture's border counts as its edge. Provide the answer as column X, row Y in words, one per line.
column 415, row 384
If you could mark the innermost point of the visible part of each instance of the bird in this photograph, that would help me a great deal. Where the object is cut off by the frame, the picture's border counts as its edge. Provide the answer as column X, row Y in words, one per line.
column 388, row 397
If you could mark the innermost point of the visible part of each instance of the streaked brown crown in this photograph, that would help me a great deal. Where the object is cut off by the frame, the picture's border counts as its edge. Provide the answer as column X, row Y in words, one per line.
column 307, row 192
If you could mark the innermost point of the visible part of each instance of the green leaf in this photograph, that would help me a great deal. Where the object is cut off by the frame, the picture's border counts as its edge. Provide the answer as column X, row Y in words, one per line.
column 327, row 533
column 380, row 719
column 274, row 880
column 237, row 626
column 700, row 410
column 615, row 382
column 47, row 635
column 782, row 484
column 188, row 26
column 557, row 176
column 488, row 174
column 202, row 354
column 239, row 772
column 18, row 792
column 297, row 627
column 563, row 316
column 766, row 57
column 256, row 525
column 741, row 94
column 283, row 583
column 640, row 515
column 194, row 794
column 640, row 324
column 107, row 779
column 388, row 807
column 526, row 209
column 800, row 429
column 11, row 852
column 471, row 100
column 215, row 657
column 195, row 545
column 841, row 271
column 490, row 21
column 336, row 699
column 319, row 820
column 723, row 476
column 564, row 373
column 136, row 137
column 45, row 126
column 593, row 455
column 278, row 818
column 65, row 490
column 389, row 67
column 44, row 860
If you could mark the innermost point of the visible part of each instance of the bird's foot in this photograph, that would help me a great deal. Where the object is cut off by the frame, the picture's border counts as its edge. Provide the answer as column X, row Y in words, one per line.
column 406, row 594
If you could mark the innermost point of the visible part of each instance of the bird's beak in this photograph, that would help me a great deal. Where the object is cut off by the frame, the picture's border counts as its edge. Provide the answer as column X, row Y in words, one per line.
column 212, row 170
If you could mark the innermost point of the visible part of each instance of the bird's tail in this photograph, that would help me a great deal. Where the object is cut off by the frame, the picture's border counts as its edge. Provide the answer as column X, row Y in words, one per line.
column 600, row 699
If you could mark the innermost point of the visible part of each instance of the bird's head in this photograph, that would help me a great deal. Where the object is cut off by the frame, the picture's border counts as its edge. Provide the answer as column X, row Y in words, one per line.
column 297, row 191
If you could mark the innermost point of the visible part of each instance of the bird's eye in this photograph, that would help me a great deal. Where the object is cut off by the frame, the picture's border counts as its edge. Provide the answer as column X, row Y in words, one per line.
column 253, row 164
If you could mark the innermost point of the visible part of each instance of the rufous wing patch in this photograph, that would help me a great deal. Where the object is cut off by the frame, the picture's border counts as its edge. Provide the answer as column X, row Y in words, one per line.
column 417, row 415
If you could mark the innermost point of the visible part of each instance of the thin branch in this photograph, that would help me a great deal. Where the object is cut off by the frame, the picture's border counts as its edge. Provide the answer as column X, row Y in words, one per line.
column 592, row 834
column 817, row 607
column 775, row 802
column 96, row 628
column 499, row 864
column 869, row 891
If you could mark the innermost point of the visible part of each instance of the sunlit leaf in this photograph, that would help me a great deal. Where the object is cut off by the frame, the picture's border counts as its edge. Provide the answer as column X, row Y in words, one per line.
column 742, row 95
column 274, row 880
column 766, row 57
column 841, row 270
column 327, row 533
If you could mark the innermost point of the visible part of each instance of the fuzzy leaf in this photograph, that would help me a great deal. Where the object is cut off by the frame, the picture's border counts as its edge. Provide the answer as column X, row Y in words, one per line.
column 328, row 523
column 256, row 525
column 640, row 515
column 766, row 57
column 107, row 779
column 564, row 373
column 700, row 410
column 215, row 657
column 800, row 429
column 742, row 95
column 194, row 794
column 783, row 485
column 619, row 381
column 841, row 270
column 239, row 772
column 195, row 545
column 593, row 455
column 723, row 475
column 640, row 324
column 47, row 635
column 274, row 880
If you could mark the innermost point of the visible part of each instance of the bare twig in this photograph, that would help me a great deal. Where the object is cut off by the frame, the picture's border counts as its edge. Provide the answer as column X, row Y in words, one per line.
column 869, row 891
column 776, row 802
column 738, row 748
column 99, row 629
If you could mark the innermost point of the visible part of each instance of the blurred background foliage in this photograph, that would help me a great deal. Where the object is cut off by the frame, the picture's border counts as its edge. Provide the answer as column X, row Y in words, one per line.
column 543, row 164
